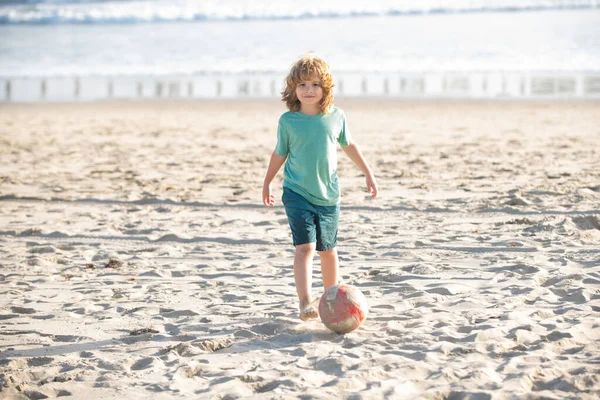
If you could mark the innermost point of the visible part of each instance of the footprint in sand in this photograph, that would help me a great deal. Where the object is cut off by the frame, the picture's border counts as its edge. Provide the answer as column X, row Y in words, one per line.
column 39, row 361
column 22, row 310
column 144, row 363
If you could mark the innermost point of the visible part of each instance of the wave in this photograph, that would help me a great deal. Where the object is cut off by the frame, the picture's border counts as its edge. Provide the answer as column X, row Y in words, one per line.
column 38, row 12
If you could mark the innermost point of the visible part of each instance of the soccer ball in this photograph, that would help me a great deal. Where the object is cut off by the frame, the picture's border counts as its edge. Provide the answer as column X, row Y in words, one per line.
column 343, row 308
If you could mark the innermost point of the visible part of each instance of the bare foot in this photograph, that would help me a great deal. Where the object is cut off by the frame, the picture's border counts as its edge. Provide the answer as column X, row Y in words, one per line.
column 309, row 311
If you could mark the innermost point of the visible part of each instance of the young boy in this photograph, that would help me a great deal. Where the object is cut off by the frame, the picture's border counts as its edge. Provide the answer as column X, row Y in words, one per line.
column 306, row 143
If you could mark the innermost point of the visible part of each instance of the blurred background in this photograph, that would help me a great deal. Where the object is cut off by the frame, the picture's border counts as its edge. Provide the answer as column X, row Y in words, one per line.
column 81, row 50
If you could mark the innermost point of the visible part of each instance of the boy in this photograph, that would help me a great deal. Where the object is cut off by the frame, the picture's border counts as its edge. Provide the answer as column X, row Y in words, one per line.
column 306, row 143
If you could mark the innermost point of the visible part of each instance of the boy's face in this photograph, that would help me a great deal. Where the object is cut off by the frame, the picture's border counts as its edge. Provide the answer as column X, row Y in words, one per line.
column 310, row 92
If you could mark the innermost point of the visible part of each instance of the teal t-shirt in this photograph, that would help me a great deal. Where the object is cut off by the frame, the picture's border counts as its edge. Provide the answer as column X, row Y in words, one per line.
column 310, row 144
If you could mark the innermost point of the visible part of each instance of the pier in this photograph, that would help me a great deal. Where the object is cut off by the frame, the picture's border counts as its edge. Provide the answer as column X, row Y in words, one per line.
column 451, row 85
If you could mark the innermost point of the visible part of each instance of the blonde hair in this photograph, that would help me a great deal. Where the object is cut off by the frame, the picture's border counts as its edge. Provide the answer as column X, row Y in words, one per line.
column 307, row 67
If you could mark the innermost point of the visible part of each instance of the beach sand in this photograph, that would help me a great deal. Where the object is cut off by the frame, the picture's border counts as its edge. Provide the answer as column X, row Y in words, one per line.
column 137, row 260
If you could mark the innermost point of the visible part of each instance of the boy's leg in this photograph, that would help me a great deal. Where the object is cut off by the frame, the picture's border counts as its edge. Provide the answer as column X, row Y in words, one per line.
column 329, row 267
column 327, row 230
column 303, row 278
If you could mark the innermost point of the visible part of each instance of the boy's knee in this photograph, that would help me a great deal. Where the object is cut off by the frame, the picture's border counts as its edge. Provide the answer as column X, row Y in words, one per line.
column 328, row 252
column 306, row 249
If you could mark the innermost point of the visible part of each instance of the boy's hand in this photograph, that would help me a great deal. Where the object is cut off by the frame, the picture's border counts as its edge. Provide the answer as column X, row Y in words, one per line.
column 372, row 186
column 268, row 198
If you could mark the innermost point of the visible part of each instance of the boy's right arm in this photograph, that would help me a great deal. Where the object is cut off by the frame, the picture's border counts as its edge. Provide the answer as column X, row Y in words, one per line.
column 274, row 166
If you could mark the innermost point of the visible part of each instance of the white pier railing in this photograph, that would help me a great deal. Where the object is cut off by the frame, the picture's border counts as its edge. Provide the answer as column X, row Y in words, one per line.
column 459, row 85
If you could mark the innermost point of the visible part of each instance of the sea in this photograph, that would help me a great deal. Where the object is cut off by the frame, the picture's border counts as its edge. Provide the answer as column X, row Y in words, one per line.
column 159, row 38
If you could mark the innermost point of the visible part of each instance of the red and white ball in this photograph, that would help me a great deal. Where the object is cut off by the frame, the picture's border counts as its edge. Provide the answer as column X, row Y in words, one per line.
column 343, row 308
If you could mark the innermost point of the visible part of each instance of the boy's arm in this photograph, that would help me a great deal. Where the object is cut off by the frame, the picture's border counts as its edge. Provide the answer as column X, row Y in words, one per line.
column 353, row 152
column 274, row 167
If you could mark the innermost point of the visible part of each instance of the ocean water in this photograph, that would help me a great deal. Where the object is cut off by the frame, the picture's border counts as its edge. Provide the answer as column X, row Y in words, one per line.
column 50, row 38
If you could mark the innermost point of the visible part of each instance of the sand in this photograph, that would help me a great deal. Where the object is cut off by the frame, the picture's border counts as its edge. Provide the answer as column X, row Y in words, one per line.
column 136, row 259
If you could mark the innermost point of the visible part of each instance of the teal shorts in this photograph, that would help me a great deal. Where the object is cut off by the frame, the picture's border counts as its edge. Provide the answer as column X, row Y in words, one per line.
column 311, row 223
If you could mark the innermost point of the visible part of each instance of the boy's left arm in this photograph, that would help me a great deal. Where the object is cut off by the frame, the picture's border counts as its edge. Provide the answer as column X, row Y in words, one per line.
column 353, row 152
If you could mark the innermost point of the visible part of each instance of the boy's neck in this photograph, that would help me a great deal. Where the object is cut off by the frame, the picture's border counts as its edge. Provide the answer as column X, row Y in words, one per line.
column 311, row 111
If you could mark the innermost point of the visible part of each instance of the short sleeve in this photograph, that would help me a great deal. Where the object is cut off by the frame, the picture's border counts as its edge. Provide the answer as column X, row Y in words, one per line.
column 283, row 140
column 345, row 138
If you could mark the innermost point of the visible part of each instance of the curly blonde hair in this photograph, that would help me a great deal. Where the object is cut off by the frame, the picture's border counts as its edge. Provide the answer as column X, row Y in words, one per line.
column 307, row 67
